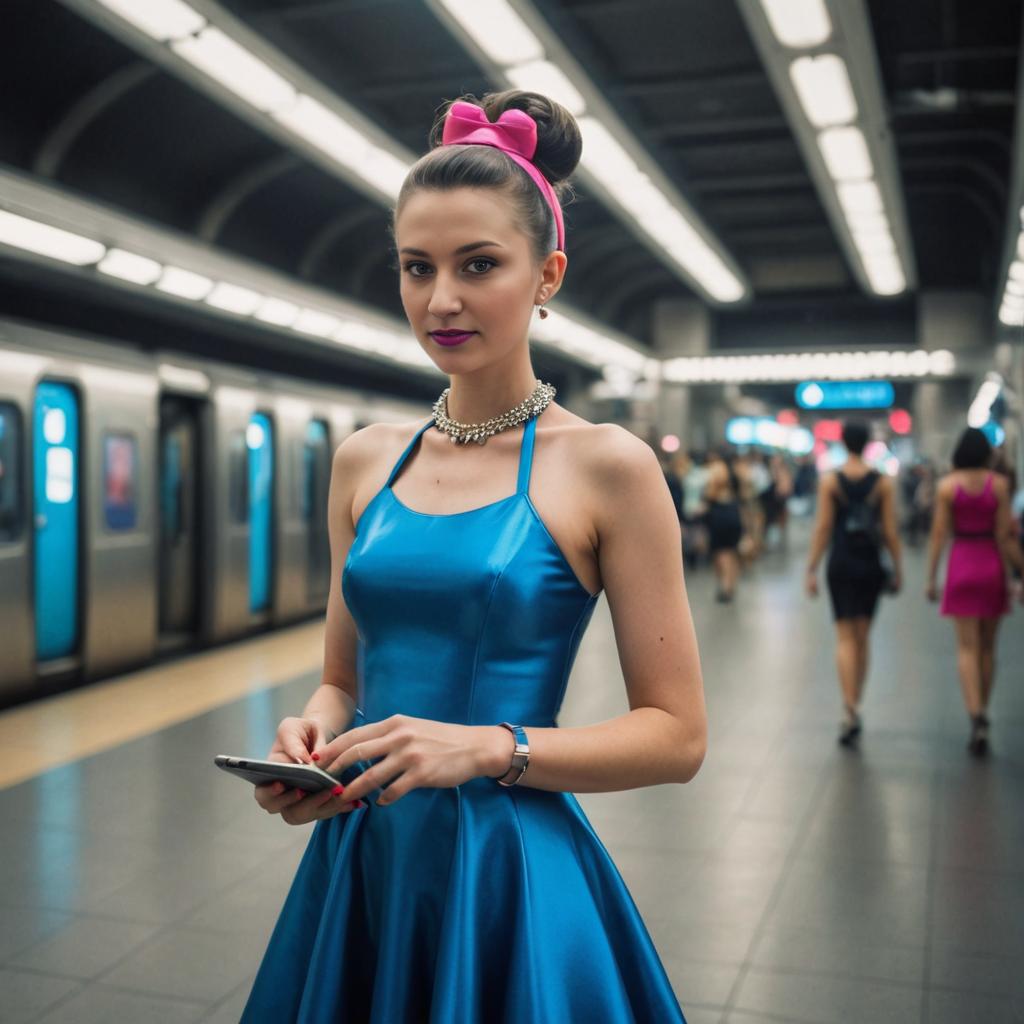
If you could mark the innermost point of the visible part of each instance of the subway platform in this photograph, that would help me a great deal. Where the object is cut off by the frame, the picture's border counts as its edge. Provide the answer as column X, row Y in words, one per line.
column 792, row 880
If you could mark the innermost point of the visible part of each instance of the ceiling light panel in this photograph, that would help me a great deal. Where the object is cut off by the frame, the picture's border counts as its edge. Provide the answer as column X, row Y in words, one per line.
column 823, row 87
column 160, row 19
column 220, row 57
column 497, row 29
column 46, row 240
column 845, row 153
column 798, row 23
column 129, row 266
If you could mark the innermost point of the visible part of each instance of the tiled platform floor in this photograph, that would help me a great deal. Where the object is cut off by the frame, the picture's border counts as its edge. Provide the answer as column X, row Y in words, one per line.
column 790, row 881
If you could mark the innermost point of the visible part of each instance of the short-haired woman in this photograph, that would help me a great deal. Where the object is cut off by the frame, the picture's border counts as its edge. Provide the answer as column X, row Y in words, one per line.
column 856, row 517
column 973, row 504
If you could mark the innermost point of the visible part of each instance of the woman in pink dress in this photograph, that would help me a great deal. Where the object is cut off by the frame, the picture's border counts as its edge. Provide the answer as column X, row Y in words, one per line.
column 973, row 504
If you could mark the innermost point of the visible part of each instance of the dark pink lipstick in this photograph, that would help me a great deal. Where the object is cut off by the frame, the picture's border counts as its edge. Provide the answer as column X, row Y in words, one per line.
column 451, row 338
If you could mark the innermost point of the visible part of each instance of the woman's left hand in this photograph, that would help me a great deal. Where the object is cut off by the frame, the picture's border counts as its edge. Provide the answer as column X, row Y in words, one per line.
column 415, row 752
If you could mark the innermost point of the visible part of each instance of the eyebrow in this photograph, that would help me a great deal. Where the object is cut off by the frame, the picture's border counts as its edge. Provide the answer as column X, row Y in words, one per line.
column 461, row 249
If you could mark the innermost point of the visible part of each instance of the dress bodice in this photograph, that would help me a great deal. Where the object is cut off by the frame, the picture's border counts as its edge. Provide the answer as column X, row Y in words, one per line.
column 472, row 617
column 974, row 515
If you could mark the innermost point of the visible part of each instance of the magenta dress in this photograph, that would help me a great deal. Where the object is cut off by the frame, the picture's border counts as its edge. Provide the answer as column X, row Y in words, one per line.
column 975, row 577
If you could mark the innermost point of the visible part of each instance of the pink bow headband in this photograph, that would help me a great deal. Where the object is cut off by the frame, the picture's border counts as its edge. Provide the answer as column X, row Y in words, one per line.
column 514, row 133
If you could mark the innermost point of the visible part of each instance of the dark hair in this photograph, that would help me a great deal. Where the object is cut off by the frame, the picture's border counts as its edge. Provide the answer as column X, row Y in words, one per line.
column 855, row 436
column 972, row 450
column 559, row 145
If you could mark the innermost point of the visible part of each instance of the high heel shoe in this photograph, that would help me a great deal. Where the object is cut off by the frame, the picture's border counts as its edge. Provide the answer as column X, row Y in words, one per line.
column 978, row 743
column 850, row 728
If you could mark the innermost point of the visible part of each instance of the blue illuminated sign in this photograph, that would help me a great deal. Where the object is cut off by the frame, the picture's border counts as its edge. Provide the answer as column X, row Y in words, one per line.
column 845, row 394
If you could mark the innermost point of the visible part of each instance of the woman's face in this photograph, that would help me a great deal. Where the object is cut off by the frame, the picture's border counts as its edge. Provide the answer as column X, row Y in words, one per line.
column 450, row 281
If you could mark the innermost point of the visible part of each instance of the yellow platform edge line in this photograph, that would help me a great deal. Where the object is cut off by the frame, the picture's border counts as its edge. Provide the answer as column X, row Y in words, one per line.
column 65, row 728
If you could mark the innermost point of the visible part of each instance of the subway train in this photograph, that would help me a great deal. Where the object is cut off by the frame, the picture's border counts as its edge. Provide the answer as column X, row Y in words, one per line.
column 152, row 501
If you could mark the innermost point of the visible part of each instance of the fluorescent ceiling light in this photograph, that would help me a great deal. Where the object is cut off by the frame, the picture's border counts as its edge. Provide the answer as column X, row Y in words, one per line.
column 316, row 322
column 885, row 273
column 130, row 267
column 497, row 29
column 220, row 57
column 870, row 242
column 49, row 241
column 823, row 87
column 859, row 197
column 277, row 311
column 865, row 220
column 798, row 23
column 609, row 162
column 1014, row 287
column 1016, row 271
column 183, row 283
column 1011, row 317
column 234, row 299
column 550, row 80
column 335, row 137
column 845, row 153
column 161, row 19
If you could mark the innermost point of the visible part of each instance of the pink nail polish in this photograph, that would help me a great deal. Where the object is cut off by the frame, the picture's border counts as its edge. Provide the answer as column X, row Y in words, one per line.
column 316, row 757
column 338, row 790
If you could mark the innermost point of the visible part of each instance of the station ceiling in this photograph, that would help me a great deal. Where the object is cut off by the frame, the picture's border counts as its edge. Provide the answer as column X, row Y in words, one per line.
column 85, row 111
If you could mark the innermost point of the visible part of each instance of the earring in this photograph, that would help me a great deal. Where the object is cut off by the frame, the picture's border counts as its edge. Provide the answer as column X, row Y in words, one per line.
column 543, row 313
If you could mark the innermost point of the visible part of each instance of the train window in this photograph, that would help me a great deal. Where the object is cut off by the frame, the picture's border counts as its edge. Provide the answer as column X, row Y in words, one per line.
column 120, row 459
column 11, row 501
column 238, row 477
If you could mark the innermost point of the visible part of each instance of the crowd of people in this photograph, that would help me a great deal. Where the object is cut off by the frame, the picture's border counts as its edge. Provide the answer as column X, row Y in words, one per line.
column 733, row 506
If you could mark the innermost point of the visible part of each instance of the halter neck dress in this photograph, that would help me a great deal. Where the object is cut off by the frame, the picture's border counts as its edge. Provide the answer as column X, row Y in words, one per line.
column 480, row 903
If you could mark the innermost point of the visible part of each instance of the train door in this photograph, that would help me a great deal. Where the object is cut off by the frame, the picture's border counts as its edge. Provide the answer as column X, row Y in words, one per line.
column 55, row 476
column 317, row 477
column 179, row 516
column 260, row 442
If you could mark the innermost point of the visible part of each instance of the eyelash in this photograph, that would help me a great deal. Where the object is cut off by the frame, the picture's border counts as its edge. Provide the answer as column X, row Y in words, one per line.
column 478, row 259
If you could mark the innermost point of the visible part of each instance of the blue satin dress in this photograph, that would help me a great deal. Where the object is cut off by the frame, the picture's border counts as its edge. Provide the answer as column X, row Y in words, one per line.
column 477, row 904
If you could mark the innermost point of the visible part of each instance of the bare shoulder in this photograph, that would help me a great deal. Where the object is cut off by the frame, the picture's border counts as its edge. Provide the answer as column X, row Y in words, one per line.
column 366, row 444
column 613, row 457
column 1001, row 485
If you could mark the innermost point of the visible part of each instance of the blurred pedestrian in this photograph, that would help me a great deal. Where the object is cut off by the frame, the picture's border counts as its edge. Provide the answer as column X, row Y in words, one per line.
column 856, row 518
column 724, row 494
column 973, row 504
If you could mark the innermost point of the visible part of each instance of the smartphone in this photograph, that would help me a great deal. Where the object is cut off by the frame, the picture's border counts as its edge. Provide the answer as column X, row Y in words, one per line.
column 301, row 776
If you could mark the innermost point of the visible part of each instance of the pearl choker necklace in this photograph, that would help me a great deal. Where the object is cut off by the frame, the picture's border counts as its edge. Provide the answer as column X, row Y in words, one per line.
column 463, row 433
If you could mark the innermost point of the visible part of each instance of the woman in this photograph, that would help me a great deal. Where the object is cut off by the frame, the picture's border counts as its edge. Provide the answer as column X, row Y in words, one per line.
column 856, row 517
column 464, row 576
column 973, row 504
column 724, row 495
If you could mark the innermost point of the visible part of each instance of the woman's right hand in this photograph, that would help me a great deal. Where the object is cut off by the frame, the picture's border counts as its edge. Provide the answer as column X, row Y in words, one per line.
column 296, row 738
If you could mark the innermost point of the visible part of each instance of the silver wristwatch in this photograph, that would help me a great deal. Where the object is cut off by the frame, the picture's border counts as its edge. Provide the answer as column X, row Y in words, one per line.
column 520, row 758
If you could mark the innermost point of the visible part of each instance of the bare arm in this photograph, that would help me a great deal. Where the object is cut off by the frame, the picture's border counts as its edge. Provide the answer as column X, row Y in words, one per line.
column 942, row 520
column 890, row 533
column 823, row 524
column 663, row 737
column 333, row 703
column 1009, row 547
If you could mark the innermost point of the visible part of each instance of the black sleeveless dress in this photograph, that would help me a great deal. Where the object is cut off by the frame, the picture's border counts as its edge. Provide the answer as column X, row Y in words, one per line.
column 855, row 573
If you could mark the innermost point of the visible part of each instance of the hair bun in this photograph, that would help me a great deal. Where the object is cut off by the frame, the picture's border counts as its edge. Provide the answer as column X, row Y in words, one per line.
column 559, row 143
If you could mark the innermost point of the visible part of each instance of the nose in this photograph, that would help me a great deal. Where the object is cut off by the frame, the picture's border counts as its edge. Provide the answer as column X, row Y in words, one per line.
column 444, row 298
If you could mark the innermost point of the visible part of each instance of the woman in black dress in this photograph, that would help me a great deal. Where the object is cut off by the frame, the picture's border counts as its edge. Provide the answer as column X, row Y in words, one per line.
column 856, row 518
column 724, row 493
